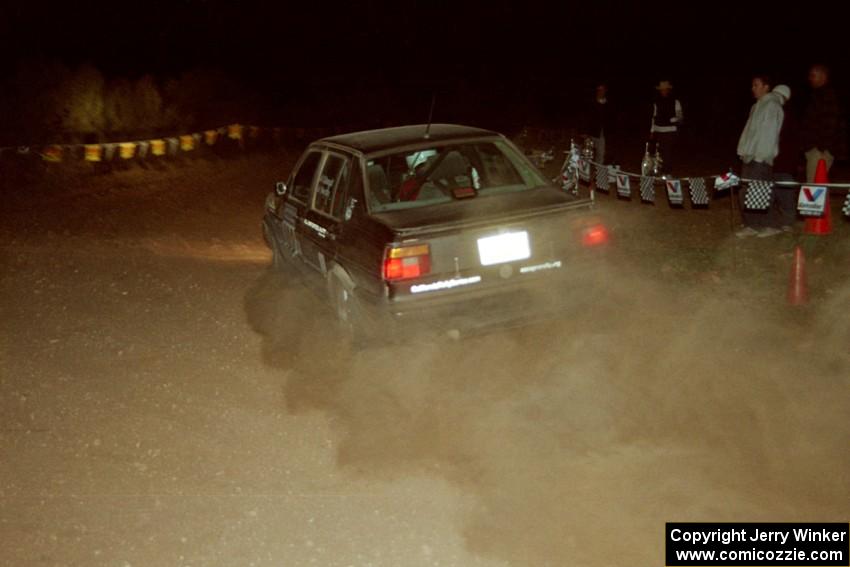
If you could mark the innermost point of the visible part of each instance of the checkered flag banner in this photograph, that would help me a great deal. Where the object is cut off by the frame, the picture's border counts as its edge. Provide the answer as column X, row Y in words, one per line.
column 624, row 188
column 647, row 189
column 846, row 208
column 584, row 170
column 699, row 194
column 726, row 181
column 602, row 177
column 674, row 192
column 758, row 194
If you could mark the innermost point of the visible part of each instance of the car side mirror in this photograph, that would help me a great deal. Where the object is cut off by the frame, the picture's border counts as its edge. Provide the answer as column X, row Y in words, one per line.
column 280, row 188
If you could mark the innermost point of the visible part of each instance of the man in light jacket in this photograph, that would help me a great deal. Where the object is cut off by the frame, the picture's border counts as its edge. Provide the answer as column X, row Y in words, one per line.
column 757, row 148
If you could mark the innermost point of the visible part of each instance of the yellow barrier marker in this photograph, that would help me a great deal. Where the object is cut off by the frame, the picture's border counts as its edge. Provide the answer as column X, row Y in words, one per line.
column 52, row 153
column 158, row 147
column 127, row 150
column 187, row 143
column 234, row 131
column 93, row 152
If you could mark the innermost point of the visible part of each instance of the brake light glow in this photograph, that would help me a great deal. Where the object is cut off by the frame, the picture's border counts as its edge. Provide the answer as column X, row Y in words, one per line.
column 407, row 262
column 595, row 235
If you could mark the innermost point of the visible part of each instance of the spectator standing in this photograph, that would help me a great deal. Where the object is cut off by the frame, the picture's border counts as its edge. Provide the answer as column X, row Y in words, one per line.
column 822, row 132
column 758, row 146
column 600, row 121
column 787, row 166
column 667, row 118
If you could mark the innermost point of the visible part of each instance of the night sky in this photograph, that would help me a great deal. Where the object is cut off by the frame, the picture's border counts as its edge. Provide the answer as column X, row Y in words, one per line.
column 494, row 61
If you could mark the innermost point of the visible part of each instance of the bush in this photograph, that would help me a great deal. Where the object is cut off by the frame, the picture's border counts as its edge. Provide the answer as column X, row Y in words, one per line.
column 81, row 103
column 50, row 103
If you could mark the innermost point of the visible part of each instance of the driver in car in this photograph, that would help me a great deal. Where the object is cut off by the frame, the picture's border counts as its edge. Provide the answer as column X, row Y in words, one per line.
column 409, row 189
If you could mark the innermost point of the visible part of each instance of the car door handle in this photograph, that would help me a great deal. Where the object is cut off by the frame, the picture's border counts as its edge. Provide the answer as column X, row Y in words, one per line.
column 322, row 231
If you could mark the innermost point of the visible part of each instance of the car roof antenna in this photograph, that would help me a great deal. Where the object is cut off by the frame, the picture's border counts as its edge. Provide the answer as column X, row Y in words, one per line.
column 430, row 116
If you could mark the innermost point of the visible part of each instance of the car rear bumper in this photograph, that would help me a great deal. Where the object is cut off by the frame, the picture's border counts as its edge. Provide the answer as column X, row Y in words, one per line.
column 479, row 310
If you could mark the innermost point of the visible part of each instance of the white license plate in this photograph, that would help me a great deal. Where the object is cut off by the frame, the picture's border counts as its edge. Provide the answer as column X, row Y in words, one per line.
column 503, row 248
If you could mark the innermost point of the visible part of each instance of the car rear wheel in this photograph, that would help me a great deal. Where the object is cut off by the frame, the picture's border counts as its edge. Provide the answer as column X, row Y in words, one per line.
column 282, row 258
column 271, row 242
column 347, row 312
column 277, row 259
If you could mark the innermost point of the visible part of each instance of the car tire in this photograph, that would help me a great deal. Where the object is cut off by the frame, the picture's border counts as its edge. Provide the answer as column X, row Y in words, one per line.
column 271, row 242
column 347, row 313
column 278, row 261
column 282, row 260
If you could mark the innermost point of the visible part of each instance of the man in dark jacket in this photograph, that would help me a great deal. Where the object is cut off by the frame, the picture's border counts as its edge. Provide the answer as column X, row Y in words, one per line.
column 666, row 120
column 822, row 132
column 599, row 122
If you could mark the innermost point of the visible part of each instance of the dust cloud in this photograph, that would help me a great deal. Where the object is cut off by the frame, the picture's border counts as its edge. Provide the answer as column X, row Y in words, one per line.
column 577, row 439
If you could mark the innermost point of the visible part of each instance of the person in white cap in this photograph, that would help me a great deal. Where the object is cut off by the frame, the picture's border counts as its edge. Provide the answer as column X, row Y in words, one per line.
column 758, row 146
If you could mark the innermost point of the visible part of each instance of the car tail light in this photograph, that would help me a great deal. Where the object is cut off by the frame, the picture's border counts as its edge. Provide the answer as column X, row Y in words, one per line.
column 594, row 235
column 407, row 262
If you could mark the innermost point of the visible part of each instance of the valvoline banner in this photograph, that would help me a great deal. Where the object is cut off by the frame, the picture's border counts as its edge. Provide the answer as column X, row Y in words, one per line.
column 811, row 200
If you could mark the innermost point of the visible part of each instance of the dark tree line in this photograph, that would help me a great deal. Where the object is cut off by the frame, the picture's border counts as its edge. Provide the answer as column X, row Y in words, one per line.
column 49, row 102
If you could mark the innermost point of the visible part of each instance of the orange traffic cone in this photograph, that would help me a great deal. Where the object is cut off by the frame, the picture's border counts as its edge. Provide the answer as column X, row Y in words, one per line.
column 798, row 289
column 823, row 223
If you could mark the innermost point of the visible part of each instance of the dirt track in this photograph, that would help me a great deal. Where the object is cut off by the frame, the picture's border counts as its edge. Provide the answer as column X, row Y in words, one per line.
column 154, row 411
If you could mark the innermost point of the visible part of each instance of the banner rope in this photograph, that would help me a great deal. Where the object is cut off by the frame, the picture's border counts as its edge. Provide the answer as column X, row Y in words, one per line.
column 612, row 169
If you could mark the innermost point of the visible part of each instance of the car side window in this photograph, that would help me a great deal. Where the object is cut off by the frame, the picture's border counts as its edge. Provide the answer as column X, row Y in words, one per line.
column 332, row 185
column 302, row 183
column 344, row 205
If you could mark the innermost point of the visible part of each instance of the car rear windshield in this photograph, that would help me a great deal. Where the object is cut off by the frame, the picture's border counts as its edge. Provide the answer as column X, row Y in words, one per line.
column 443, row 173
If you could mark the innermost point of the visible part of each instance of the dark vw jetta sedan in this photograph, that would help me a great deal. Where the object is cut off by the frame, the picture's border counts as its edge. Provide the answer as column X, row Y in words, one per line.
column 444, row 228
